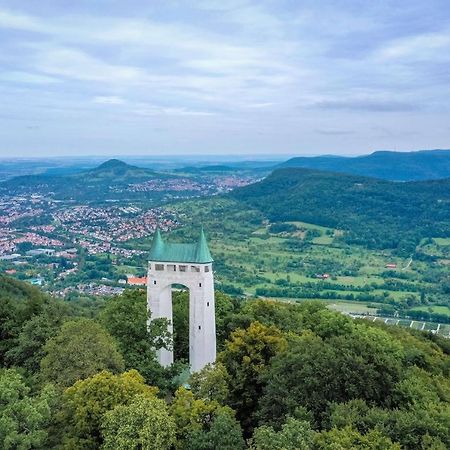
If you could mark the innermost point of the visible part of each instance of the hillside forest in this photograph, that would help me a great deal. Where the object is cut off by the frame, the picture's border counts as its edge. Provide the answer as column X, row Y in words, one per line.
column 83, row 375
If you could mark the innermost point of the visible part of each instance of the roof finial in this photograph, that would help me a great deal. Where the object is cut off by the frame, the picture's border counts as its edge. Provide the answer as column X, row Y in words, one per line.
column 157, row 243
column 203, row 253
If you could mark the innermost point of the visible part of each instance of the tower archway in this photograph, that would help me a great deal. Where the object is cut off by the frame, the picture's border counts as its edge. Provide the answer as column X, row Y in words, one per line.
column 189, row 265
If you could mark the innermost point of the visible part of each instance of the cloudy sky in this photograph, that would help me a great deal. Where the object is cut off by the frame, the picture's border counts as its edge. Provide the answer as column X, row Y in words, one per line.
column 223, row 77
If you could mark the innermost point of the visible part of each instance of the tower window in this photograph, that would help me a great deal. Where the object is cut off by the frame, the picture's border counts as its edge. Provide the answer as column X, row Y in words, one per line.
column 207, row 303
column 199, row 327
column 159, row 266
column 154, row 281
column 206, row 268
column 199, row 284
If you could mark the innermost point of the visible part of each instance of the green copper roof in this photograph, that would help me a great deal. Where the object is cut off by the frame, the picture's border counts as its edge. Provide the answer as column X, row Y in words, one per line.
column 184, row 253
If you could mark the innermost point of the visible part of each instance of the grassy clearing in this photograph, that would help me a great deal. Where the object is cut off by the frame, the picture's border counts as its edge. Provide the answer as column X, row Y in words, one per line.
column 323, row 240
column 433, row 309
column 311, row 226
column 352, row 307
column 442, row 241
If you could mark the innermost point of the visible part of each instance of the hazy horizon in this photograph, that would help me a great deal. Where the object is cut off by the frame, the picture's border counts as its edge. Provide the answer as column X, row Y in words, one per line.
column 200, row 157
column 217, row 78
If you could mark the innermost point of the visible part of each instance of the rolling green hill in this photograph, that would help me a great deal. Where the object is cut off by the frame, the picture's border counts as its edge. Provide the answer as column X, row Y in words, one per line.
column 119, row 172
column 388, row 165
column 372, row 212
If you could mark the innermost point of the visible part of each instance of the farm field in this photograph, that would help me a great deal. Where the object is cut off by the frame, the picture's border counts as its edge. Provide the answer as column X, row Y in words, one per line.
column 434, row 309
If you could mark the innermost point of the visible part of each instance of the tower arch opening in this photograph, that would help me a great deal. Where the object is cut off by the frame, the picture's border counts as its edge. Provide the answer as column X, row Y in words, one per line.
column 189, row 265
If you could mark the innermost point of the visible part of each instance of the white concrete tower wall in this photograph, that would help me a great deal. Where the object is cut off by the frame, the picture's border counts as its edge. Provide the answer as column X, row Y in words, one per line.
column 198, row 278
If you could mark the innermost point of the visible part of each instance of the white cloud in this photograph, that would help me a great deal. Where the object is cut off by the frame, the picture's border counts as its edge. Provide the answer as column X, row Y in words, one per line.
column 18, row 21
column 74, row 63
column 423, row 46
column 28, row 78
column 108, row 100
column 153, row 110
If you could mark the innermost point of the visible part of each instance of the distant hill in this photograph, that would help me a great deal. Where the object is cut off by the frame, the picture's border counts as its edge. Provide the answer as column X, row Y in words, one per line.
column 388, row 165
column 108, row 180
column 374, row 213
column 119, row 171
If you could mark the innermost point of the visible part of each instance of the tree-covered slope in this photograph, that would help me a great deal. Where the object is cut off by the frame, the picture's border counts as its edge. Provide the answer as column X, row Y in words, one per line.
column 287, row 377
column 18, row 291
column 388, row 165
column 372, row 212
column 118, row 171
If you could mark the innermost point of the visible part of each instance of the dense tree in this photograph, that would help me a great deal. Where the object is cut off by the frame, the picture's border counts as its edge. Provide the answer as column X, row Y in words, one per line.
column 309, row 377
column 85, row 403
column 211, row 383
column 246, row 357
column 203, row 424
column 82, row 348
column 28, row 349
column 19, row 302
column 284, row 316
column 418, row 386
column 8, row 327
column 414, row 427
column 313, row 372
column 225, row 308
column 325, row 323
column 294, row 435
column 223, row 432
column 144, row 424
column 350, row 439
column 23, row 417
column 302, row 375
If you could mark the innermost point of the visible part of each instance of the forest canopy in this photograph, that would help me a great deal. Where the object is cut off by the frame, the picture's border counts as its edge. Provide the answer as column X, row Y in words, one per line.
column 287, row 376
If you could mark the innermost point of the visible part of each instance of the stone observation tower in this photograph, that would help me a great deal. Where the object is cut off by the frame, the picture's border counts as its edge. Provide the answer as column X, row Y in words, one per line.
column 189, row 265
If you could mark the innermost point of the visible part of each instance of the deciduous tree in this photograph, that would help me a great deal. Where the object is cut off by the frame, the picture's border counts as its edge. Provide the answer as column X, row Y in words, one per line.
column 294, row 435
column 85, row 403
column 82, row 348
column 349, row 439
column 204, row 425
column 144, row 424
column 211, row 383
column 23, row 417
column 246, row 357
